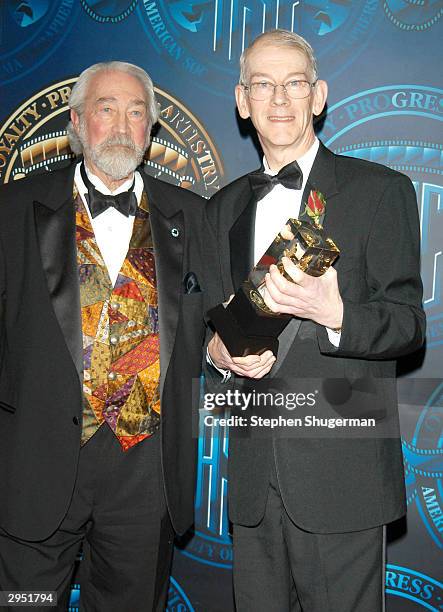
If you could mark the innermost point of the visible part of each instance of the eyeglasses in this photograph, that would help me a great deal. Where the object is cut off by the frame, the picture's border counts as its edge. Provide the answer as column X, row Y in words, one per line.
column 263, row 90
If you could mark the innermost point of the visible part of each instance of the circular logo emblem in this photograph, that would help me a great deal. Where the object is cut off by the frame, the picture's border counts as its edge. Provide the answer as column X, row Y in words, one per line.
column 407, row 117
column 423, row 458
column 33, row 139
column 415, row 587
column 31, row 29
column 206, row 39
column 177, row 600
column 110, row 11
column 415, row 15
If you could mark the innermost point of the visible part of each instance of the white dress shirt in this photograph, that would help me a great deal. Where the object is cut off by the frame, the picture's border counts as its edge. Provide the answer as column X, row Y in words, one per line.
column 112, row 229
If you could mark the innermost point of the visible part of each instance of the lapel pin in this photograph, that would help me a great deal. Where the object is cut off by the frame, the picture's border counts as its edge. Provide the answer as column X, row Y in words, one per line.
column 175, row 232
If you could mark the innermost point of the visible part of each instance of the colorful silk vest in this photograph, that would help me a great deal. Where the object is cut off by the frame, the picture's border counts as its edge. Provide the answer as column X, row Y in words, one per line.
column 121, row 351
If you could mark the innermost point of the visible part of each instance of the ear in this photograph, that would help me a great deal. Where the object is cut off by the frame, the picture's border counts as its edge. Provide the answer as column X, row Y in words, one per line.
column 75, row 120
column 242, row 100
column 320, row 95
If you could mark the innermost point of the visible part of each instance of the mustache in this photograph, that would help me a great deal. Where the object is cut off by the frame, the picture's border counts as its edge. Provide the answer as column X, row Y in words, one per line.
column 119, row 140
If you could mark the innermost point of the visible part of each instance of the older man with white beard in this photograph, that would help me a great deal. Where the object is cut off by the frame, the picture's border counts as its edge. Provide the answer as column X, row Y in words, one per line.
column 101, row 295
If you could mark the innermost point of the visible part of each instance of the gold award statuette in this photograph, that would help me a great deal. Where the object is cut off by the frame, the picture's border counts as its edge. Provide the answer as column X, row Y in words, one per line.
column 305, row 244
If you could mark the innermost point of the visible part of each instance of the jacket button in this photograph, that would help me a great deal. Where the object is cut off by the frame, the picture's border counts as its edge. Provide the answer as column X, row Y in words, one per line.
column 75, row 420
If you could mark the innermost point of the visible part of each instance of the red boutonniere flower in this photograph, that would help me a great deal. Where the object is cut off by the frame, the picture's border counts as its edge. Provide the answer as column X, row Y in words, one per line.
column 316, row 205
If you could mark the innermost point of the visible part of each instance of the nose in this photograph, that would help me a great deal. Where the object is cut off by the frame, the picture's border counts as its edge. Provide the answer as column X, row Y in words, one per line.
column 121, row 122
column 280, row 95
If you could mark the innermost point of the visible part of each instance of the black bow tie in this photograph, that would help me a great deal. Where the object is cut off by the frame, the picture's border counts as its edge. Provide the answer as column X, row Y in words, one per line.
column 125, row 203
column 290, row 176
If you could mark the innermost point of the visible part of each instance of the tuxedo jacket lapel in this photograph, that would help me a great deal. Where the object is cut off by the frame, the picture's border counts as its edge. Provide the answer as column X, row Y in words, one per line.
column 322, row 178
column 241, row 243
column 167, row 226
column 55, row 226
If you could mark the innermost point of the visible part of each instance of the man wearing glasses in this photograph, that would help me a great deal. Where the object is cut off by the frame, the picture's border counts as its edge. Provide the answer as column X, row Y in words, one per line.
column 309, row 512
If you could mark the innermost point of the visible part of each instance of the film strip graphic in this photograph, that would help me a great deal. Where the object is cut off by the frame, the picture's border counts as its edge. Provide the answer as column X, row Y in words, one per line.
column 401, row 155
column 43, row 151
column 53, row 148
column 167, row 158
column 420, row 462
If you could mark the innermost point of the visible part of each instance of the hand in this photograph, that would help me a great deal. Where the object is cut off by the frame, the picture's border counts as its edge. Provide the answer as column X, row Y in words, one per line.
column 308, row 297
column 252, row 366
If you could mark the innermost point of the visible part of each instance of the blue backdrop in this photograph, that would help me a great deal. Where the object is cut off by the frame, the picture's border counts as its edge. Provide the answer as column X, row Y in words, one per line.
column 382, row 59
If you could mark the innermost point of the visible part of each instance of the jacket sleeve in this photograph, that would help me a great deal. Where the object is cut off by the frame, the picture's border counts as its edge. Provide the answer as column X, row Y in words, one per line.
column 4, row 381
column 391, row 322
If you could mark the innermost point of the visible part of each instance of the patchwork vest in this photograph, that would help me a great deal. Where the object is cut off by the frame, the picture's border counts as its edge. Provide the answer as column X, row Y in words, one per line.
column 121, row 350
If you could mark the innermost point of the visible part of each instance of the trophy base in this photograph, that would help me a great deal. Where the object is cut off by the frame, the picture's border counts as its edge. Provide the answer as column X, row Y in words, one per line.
column 243, row 330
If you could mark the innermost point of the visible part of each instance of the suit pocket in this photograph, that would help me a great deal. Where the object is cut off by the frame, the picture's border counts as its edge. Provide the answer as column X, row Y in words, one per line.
column 192, row 299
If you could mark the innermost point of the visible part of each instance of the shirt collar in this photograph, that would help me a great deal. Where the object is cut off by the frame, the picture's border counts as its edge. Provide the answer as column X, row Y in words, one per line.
column 305, row 162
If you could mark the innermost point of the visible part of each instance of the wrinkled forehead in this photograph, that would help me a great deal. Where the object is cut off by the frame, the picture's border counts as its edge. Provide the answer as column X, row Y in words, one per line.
column 116, row 85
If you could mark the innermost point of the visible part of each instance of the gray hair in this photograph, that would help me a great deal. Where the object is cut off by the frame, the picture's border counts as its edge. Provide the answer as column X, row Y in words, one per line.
column 281, row 38
column 79, row 92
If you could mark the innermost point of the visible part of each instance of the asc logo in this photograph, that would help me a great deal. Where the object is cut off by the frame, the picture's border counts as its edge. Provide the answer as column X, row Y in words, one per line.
column 407, row 118
column 34, row 139
column 31, row 29
column 206, row 39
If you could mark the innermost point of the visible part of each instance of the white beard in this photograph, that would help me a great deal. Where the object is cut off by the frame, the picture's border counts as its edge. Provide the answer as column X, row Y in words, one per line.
column 118, row 156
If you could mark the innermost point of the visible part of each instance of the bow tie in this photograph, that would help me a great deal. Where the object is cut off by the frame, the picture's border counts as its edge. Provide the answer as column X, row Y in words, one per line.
column 125, row 203
column 290, row 176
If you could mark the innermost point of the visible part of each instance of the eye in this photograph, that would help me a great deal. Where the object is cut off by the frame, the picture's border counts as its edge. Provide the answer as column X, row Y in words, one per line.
column 295, row 84
column 263, row 85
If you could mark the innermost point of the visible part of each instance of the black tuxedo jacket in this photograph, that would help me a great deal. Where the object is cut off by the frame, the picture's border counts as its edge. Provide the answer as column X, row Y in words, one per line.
column 41, row 347
column 336, row 484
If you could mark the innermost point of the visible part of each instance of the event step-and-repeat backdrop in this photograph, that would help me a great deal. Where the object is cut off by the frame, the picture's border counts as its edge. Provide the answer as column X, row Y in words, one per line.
column 382, row 59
